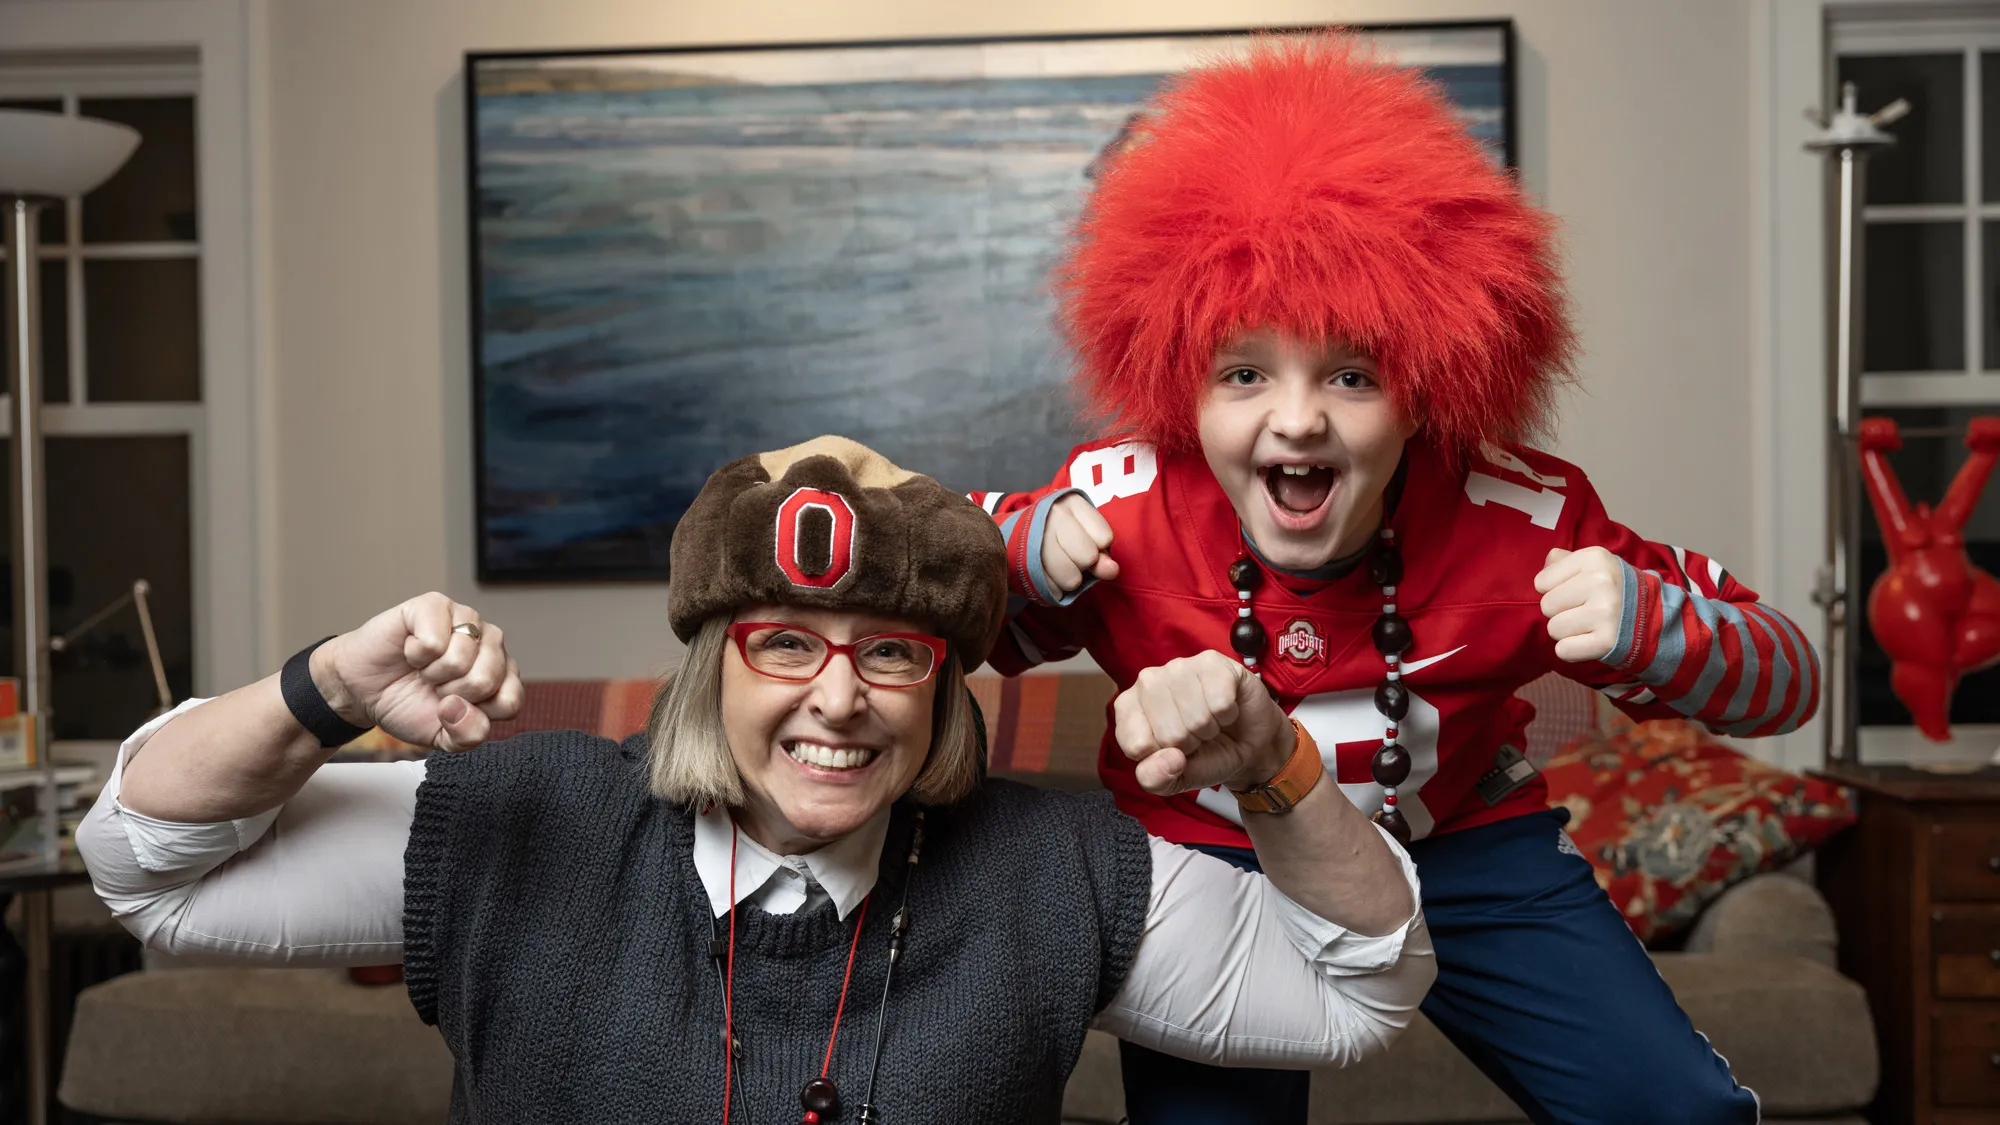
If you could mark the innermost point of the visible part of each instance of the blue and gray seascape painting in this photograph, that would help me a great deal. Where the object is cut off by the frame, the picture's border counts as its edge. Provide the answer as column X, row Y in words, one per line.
column 675, row 272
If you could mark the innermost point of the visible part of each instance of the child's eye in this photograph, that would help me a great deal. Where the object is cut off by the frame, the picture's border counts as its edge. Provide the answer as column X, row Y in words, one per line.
column 1354, row 379
column 1242, row 376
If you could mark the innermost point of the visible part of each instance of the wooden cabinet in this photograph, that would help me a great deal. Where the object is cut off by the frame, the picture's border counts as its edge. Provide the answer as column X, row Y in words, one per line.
column 1915, row 889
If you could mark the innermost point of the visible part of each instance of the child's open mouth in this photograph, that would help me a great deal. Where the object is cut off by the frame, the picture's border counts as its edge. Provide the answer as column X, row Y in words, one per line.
column 1299, row 493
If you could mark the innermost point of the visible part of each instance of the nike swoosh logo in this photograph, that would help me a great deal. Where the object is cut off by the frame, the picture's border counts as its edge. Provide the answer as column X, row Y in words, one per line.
column 1419, row 665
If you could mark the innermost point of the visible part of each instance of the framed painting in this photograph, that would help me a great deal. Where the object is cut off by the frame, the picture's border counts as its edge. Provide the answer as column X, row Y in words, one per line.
column 683, row 256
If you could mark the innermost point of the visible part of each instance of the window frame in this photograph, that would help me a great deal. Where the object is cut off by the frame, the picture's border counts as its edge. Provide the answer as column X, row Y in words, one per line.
column 212, row 49
column 1878, row 36
column 72, row 84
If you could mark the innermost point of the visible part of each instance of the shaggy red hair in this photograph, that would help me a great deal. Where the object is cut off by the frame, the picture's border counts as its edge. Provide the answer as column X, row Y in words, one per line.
column 1313, row 188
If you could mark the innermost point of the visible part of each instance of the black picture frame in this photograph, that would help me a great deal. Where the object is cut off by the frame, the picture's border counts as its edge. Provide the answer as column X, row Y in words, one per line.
column 497, row 563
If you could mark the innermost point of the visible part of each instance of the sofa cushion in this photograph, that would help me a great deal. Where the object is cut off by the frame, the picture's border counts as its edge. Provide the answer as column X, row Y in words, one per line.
column 254, row 1047
column 1422, row 1078
column 1564, row 712
column 1794, row 1031
column 609, row 708
column 1670, row 818
column 1774, row 914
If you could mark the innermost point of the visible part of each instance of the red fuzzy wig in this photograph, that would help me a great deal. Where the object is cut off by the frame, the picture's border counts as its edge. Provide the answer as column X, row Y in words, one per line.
column 1313, row 188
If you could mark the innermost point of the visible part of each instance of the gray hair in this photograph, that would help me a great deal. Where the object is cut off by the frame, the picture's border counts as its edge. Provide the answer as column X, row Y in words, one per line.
column 688, row 750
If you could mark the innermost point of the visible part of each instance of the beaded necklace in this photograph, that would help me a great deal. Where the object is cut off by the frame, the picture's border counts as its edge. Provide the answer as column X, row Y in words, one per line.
column 1391, row 765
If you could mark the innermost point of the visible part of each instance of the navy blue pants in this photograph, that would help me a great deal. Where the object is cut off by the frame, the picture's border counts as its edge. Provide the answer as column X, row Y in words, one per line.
column 1539, row 982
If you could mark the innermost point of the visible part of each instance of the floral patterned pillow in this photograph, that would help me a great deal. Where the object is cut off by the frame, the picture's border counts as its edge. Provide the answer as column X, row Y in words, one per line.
column 1671, row 818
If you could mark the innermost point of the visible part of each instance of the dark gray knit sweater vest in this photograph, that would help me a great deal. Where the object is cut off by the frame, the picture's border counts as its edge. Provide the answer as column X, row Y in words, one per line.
column 557, row 934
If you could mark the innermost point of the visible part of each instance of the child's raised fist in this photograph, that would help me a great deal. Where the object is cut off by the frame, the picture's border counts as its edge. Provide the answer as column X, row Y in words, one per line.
column 1075, row 542
column 1583, row 596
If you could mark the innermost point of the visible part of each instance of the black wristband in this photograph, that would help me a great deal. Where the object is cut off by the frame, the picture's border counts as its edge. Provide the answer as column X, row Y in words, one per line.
column 309, row 707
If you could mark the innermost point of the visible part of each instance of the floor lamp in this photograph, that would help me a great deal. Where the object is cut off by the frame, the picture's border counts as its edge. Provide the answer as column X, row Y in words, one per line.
column 44, row 158
column 1846, row 137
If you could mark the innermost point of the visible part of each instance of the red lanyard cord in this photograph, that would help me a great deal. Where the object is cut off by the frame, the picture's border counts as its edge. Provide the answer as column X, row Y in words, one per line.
column 859, row 921
column 729, row 985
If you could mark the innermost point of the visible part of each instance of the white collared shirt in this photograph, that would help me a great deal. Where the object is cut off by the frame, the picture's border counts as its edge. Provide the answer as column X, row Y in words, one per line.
column 843, row 871
column 1229, row 971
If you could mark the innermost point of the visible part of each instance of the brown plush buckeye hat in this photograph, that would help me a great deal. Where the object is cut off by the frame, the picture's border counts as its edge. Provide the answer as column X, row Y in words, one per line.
column 831, row 524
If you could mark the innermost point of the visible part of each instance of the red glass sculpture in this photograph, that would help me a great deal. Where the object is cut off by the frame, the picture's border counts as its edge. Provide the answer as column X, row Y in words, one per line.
column 1935, row 614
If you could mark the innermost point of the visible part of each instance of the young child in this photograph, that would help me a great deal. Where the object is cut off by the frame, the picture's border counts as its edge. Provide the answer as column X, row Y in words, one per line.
column 1324, row 322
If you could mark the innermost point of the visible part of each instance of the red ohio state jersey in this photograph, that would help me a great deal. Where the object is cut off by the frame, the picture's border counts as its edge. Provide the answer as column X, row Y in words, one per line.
column 1694, row 643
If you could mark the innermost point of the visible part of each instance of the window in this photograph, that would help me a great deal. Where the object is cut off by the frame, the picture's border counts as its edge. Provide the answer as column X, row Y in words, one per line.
column 1931, row 336
column 122, row 369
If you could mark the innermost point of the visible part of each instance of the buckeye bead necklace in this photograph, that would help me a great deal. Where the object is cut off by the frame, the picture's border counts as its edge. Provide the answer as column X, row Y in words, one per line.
column 1391, row 764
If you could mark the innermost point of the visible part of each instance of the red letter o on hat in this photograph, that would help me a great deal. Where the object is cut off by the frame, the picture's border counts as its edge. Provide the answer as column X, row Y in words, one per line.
column 815, row 545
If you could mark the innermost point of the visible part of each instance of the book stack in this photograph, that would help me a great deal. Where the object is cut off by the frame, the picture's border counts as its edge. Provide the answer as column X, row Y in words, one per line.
column 17, row 731
column 76, row 785
column 20, row 809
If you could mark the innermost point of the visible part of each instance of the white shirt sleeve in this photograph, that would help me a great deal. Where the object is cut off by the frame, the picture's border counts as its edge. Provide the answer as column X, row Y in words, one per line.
column 1228, row 970
column 318, row 881
column 1231, row 972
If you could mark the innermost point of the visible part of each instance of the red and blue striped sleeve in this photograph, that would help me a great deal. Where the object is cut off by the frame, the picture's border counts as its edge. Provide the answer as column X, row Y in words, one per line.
column 1695, row 642
column 1036, row 631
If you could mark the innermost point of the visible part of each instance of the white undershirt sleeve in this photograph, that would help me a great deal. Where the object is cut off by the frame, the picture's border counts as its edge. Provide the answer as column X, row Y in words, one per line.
column 1231, row 972
column 318, row 881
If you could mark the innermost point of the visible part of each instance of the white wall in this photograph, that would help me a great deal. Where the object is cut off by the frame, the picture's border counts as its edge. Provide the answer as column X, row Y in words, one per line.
column 1636, row 132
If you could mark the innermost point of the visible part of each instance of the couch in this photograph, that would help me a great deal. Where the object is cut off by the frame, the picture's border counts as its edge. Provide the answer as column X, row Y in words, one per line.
column 311, row 1047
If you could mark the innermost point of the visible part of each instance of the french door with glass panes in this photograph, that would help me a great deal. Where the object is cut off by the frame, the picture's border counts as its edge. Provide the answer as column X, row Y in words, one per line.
column 121, row 361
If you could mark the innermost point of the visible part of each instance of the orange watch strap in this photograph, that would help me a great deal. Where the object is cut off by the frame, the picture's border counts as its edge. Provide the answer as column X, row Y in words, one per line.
column 1301, row 772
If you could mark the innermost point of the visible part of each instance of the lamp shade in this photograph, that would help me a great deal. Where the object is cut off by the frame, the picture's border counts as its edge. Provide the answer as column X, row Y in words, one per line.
column 54, row 155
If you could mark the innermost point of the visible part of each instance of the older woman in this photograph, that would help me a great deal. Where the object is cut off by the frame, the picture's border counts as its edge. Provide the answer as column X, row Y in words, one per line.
column 800, row 857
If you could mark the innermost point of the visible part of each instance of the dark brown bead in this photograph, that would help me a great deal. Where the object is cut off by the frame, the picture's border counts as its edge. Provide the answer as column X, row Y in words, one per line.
column 821, row 1097
column 1392, row 699
column 1385, row 566
column 1247, row 637
column 1393, row 821
column 1392, row 634
column 1244, row 575
column 1391, row 766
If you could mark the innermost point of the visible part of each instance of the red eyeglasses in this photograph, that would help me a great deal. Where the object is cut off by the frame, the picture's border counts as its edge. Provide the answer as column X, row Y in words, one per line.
column 794, row 652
